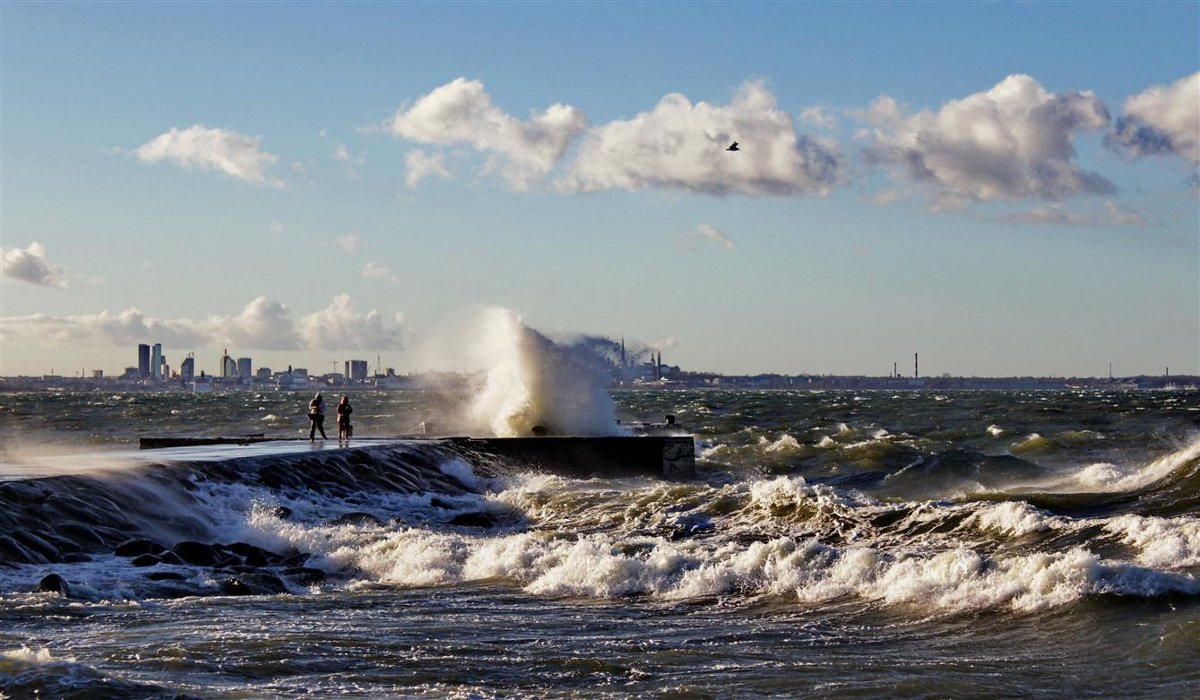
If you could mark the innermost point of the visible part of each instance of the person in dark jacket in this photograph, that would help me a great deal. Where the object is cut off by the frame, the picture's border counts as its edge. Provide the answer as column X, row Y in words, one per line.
column 343, row 420
column 316, row 414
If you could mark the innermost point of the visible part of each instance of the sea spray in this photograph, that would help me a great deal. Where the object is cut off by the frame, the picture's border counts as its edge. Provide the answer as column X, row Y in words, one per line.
column 532, row 381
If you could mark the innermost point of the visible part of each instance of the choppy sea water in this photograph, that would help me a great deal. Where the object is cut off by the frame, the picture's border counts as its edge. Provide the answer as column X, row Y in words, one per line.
column 835, row 545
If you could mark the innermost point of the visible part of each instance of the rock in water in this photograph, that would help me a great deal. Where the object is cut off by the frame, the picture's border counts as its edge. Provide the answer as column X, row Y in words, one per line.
column 53, row 583
column 197, row 553
column 474, row 520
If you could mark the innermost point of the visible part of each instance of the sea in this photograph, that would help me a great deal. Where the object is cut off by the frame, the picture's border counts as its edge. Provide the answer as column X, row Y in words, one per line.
column 833, row 544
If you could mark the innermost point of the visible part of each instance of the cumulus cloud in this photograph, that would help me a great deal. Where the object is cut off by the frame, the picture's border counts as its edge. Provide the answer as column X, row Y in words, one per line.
column 374, row 271
column 1058, row 215
column 348, row 242
column 340, row 326
column 262, row 324
column 1164, row 119
column 30, row 265
column 462, row 112
column 420, row 165
column 679, row 145
column 705, row 232
column 818, row 117
column 1012, row 142
column 212, row 149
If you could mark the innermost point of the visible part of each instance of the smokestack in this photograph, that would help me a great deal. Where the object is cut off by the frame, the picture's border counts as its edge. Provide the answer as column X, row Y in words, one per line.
column 916, row 366
column 895, row 370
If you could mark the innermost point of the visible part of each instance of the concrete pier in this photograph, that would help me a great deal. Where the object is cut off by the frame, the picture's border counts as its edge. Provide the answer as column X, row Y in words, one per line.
column 659, row 456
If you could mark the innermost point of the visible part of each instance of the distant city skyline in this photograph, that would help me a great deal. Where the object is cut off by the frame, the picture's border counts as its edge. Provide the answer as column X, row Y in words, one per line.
column 1009, row 189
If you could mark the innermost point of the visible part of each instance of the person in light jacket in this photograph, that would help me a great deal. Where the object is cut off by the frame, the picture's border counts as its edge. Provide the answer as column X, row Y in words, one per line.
column 316, row 414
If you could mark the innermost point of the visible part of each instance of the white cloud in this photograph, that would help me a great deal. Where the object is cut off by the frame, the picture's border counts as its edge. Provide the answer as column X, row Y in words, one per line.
column 1058, row 215
column 348, row 242
column 420, row 165
column 102, row 329
column 212, row 149
column 818, row 117
column 350, row 162
column 679, row 145
column 373, row 271
column 262, row 324
column 462, row 112
column 275, row 228
column 30, row 265
column 1164, row 119
column 1012, row 142
column 339, row 326
column 705, row 232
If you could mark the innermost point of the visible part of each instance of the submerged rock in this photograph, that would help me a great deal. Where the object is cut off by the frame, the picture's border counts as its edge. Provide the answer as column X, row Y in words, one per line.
column 253, row 556
column 357, row 518
column 53, row 583
column 233, row 586
column 137, row 547
column 474, row 520
column 305, row 576
column 165, row 576
column 146, row 560
column 197, row 553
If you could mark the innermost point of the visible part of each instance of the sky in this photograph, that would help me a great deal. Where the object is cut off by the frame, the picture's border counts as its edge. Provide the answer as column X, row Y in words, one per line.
column 1006, row 188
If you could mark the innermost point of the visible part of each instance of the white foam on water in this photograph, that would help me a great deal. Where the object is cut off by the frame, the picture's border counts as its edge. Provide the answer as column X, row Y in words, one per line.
column 1104, row 477
column 995, row 430
column 1165, row 543
column 33, row 657
column 1032, row 442
column 956, row 580
column 785, row 444
column 1013, row 518
column 461, row 471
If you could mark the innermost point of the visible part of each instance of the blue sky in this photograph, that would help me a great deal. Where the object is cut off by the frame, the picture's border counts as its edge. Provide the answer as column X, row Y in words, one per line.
column 1006, row 188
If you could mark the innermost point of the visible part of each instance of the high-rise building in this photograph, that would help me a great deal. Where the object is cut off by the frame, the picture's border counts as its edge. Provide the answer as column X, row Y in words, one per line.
column 356, row 370
column 244, row 368
column 143, row 360
column 187, row 368
column 228, row 365
column 156, row 361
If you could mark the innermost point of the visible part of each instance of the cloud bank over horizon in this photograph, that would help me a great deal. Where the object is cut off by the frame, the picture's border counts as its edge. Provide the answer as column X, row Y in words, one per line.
column 263, row 324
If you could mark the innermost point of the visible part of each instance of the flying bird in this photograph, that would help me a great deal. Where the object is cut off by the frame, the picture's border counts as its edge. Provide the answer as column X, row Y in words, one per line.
column 733, row 147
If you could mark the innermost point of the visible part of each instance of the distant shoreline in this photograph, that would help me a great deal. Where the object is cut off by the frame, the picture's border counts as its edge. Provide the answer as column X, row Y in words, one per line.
column 679, row 382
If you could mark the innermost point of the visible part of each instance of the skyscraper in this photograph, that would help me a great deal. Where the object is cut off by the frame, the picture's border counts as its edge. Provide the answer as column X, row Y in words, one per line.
column 244, row 369
column 156, row 361
column 187, row 368
column 143, row 360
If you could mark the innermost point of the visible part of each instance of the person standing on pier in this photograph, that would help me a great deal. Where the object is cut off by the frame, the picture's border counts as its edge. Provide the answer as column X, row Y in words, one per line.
column 343, row 420
column 316, row 414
